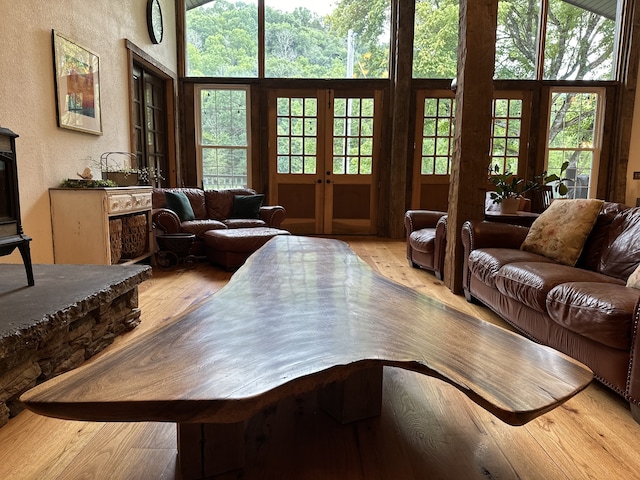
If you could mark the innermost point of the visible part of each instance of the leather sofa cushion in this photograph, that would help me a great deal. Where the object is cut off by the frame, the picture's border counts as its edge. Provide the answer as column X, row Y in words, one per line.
column 597, row 240
column 198, row 227
column 530, row 282
column 244, row 222
column 600, row 311
column 423, row 240
column 485, row 263
column 220, row 202
column 622, row 254
column 195, row 196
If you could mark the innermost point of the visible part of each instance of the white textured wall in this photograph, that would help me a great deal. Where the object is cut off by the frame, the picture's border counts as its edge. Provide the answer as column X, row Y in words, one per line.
column 47, row 154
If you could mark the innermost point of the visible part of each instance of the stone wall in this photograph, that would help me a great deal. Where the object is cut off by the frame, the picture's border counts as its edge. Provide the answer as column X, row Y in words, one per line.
column 65, row 338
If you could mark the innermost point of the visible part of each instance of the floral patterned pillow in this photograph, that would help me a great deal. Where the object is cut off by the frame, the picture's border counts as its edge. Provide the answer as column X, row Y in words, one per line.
column 560, row 231
column 634, row 279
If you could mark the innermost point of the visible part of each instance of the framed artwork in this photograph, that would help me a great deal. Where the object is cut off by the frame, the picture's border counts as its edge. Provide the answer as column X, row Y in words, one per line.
column 77, row 85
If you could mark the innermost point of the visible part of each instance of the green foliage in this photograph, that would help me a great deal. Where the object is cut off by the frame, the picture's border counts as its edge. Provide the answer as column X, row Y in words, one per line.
column 507, row 185
column 436, row 39
column 557, row 181
column 222, row 41
column 80, row 183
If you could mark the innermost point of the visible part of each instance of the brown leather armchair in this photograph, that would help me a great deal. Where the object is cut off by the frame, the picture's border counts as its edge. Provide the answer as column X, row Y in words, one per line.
column 426, row 240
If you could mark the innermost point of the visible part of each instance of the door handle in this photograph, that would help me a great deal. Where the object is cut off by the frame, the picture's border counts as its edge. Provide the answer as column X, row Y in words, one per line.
column 328, row 181
column 319, row 180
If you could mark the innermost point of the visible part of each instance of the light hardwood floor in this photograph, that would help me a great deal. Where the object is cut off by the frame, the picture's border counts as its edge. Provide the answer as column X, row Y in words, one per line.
column 427, row 430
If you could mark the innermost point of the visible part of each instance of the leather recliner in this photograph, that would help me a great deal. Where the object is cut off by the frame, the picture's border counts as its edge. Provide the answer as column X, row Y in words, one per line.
column 426, row 239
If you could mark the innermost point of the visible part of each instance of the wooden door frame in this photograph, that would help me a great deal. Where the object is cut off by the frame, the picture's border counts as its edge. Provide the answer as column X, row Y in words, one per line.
column 324, row 221
column 135, row 55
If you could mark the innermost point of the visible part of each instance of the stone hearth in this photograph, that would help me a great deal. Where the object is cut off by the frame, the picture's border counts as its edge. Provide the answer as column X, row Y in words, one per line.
column 72, row 313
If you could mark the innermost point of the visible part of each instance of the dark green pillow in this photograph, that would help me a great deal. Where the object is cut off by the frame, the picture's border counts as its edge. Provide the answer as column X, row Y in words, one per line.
column 179, row 203
column 247, row 206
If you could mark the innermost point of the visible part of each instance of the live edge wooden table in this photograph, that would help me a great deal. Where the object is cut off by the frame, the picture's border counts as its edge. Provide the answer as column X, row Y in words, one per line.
column 303, row 314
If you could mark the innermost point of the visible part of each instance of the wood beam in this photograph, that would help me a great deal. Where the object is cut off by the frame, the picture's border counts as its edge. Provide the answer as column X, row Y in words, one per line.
column 474, row 96
column 627, row 73
column 401, row 75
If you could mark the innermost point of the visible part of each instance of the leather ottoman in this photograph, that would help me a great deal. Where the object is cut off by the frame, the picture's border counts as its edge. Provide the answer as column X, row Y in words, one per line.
column 231, row 247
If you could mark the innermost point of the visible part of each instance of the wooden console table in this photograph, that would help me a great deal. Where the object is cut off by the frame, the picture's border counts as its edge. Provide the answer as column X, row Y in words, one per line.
column 303, row 314
column 80, row 220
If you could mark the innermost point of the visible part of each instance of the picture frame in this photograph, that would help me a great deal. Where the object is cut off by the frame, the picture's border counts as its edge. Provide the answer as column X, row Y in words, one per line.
column 77, row 85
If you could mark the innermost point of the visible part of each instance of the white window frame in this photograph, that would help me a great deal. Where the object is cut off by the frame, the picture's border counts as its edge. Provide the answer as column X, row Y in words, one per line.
column 198, row 124
column 596, row 149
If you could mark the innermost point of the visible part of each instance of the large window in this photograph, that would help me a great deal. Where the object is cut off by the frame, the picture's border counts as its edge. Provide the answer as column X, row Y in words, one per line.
column 302, row 38
column 222, row 39
column 222, row 135
column 574, row 136
column 574, row 41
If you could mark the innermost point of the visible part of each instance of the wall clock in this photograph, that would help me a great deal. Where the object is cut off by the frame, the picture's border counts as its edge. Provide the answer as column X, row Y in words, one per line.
column 154, row 21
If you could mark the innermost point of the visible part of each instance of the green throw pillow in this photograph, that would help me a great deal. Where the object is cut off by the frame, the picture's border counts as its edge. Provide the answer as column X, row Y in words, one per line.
column 247, row 206
column 179, row 203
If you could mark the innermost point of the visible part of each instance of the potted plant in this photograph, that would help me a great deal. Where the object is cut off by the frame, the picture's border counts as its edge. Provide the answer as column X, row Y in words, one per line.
column 127, row 173
column 509, row 189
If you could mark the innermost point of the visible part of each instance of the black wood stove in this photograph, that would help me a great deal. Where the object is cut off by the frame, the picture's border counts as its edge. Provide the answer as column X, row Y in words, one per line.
column 11, row 234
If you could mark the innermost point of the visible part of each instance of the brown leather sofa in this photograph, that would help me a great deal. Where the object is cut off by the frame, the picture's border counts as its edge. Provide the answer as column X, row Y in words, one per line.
column 212, row 210
column 426, row 232
column 586, row 311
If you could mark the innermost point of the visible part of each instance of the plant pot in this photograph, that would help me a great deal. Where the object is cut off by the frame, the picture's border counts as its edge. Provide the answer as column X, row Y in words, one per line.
column 123, row 179
column 509, row 205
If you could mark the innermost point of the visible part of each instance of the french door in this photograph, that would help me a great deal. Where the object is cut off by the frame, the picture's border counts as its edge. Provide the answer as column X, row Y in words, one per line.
column 150, row 123
column 323, row 159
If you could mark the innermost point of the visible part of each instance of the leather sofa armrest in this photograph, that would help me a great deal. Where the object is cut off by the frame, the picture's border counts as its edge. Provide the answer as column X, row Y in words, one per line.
column 166, row 220
column 491, row 235
column 273, row 215
column 417, row 219
column 440, row 247
column 475, row 235
column 633, row 380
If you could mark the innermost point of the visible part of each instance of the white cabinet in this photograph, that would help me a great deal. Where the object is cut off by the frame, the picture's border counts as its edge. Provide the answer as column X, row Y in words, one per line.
column 80, row 221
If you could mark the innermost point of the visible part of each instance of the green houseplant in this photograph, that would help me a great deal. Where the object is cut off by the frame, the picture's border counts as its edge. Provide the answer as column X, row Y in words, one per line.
column 508, row 189
column 556, row 181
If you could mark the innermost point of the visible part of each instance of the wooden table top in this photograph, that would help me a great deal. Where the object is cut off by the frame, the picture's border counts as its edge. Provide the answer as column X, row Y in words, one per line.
column 301, row 313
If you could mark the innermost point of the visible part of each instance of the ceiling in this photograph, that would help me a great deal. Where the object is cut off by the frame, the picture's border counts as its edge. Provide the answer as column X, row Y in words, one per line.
column 606, row 8
column 195, row 3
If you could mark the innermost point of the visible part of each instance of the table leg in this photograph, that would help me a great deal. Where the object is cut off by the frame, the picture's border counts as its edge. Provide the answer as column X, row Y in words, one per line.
column 208, row 449
column 356, row 398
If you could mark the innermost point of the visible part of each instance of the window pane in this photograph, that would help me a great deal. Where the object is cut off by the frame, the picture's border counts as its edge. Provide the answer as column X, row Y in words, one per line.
column 223, row 137
column 353, row 135
column 573, row 139
column 315, row 39
column 222, row 39
column 435, row 41
column 224, row 117
column 505, row 134
column 516, row 39
column 297, row 135
column 224, row 168
column 437, row 136
column 579, row 43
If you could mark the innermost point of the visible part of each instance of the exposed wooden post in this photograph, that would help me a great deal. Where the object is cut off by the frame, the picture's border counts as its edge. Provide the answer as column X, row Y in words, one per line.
column 401, row 76
column 627, row 74
column 474, row 96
